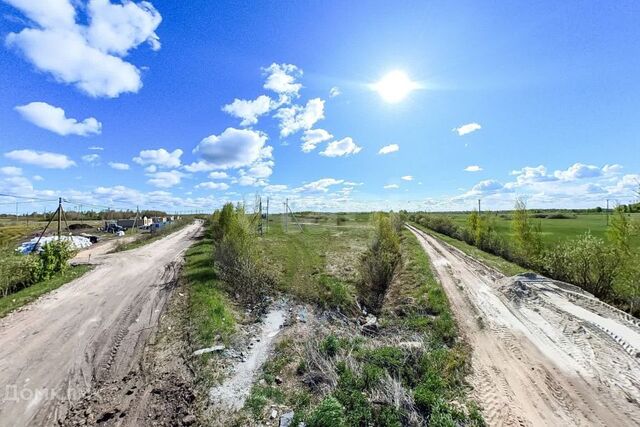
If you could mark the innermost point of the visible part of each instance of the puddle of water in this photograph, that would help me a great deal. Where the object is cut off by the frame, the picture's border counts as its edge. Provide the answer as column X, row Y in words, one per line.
column 235, row 390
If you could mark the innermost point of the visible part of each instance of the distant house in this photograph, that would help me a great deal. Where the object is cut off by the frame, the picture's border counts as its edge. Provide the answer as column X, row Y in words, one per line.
column 158, row 219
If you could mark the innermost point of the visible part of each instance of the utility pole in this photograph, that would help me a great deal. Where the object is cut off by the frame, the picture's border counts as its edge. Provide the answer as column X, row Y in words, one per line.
column 267, row 214
column 286, row 215
column 607, row 212
column 59, row 216
column 478, row 205
column 16, row 212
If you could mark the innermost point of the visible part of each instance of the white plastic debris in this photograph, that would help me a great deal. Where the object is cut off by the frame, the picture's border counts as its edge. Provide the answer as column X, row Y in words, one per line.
column 208, row 350
column 77, row 242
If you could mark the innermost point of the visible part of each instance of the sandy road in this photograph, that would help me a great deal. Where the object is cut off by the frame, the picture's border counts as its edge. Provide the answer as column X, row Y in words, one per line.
column 544, row 353
column 85, row 333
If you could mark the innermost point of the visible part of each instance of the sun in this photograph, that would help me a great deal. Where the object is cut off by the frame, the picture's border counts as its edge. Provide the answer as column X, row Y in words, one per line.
column 395, row 86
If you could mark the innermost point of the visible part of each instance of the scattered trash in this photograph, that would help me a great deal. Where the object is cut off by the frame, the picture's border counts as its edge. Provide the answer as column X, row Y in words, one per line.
column 76, row 242
column 302, row 315
column 120, row 233
column 209, row 350
column 274, row 414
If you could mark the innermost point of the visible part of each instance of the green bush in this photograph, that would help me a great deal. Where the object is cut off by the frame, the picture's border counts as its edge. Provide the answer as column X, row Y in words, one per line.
column 330, row 413
column 237, row 257
column 587, row 262
column 54, row 258
column 18, row 272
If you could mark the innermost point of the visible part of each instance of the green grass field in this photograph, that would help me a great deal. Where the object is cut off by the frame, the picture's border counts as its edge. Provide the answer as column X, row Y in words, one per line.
column 557, row 230
column 317, row 265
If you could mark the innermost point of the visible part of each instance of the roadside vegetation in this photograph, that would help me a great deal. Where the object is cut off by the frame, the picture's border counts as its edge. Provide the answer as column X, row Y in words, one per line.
column 25, row 277
column 405, row 365
column 606, row 267
column 373, row 340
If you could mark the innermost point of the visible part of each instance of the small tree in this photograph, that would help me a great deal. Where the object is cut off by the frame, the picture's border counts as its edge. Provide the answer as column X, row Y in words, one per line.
column 526, row 235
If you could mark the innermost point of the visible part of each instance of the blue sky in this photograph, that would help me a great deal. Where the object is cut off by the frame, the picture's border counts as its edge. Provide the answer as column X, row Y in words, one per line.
column 539, row 101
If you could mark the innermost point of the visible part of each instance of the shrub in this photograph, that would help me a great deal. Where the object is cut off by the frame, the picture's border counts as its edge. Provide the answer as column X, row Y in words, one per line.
column 238, row 260
column 379, row 262
column 587, row 262
column 330, row 413
column 18, row 272
column 54, row 258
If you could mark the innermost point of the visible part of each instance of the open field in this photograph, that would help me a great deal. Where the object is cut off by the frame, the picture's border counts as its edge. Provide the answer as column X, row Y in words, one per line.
column 318, row 265
column 555, row 230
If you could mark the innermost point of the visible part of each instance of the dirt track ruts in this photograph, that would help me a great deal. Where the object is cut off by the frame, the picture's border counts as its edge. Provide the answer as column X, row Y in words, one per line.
column 544, row 353
column 87, row 332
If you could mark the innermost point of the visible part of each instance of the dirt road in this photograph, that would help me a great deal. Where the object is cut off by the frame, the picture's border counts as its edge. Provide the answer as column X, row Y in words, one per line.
column 87, row 333
column 544, row 353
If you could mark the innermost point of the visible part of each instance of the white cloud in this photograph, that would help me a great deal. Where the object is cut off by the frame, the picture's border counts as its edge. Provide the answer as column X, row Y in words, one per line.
column 11, row 171
column 213, row 185
column 407, row 178
column 343, row 147
column 281, row 78
column 249, row 110
column 391, row 186
column 160, row 157
column 486, row 188
column 87, row 56
column 261, row 169
column 199, row 166
column 578, row 171
column 37, row 178
column 473, row 168
column 612, row 169
column 54, row 119
column 468, row 128
column 118, row 28
column 296, row 118
column 391, row 148
column 166, row 179
column 92, row 159
column 151, row 169
column 119, row 166
column 43, row 159
column 277, row 188
column 96, row 148
column 233, row 148
column 218, row 175
column 313, row 137
column 334, row 91
column 320, row 186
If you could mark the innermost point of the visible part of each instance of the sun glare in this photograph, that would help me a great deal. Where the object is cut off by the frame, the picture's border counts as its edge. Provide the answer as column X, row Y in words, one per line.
column 395, row 86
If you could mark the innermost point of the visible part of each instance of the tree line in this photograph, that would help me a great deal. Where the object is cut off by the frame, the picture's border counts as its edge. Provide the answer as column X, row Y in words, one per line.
column 607, row 268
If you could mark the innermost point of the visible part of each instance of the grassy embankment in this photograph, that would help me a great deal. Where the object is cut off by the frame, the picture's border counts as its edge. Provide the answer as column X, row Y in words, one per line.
column 338, row 376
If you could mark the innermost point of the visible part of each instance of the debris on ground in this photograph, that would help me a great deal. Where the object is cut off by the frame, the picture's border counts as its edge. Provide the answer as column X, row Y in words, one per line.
column 76, row 242
column 209, row 350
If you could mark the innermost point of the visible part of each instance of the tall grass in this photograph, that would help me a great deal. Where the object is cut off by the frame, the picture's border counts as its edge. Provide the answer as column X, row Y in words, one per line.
column 379, row 262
